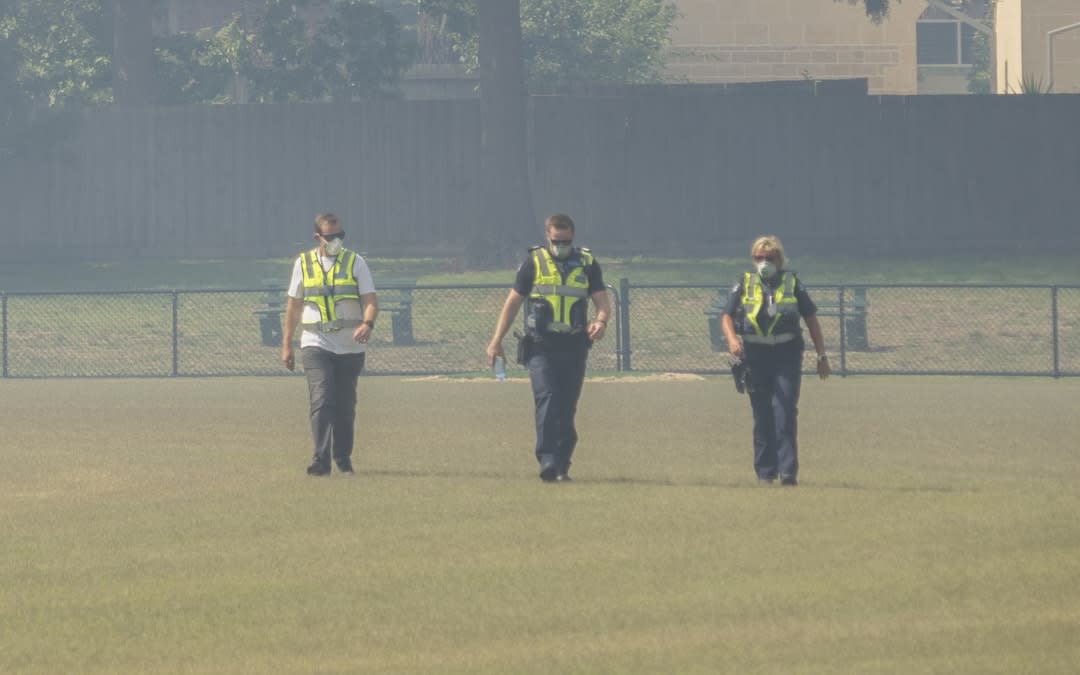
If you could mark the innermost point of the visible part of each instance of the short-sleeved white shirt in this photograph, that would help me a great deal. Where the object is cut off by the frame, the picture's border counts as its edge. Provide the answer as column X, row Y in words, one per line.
column 340, row 341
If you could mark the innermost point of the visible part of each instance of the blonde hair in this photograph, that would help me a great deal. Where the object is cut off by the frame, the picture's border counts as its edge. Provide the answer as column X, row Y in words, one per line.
column 767, row 244
column 324, row 218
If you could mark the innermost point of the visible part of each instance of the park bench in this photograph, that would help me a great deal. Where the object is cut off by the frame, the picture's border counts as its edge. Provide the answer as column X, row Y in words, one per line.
column 395, row 297
column 828, row 306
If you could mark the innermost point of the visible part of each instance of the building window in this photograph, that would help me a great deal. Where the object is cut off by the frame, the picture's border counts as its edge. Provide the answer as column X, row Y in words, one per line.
column 945, row 43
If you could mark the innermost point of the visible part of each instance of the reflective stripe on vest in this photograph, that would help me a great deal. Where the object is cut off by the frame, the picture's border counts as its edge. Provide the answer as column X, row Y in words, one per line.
column 322, row 290
column 561, row 294
column 783, row 298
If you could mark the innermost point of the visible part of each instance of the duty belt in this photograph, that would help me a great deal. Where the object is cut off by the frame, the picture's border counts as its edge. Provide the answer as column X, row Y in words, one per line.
column 769, row 339
column 331, row 326
column 565, row 291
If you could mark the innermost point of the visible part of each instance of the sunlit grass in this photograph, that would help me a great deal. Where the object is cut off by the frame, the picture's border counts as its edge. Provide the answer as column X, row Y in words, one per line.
column 167, row 526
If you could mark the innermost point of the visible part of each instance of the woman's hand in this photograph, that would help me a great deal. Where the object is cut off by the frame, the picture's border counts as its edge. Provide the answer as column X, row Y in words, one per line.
column 823, row 368
column 736, row 348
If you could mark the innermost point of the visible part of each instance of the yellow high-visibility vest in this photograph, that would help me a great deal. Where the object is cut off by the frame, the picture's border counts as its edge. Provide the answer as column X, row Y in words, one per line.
column 783, row 299
column 560, row 293
column 322, row 290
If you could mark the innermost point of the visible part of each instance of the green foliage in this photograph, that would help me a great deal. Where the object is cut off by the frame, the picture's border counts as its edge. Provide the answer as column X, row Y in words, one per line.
column 367, row 50
column 575, row 40
column 875, row 9
column 356, row 51
column 61, row 50
column 596, row 41
column 198, row 67
column 981, row 76
column 51, row 59
column 1032, row 85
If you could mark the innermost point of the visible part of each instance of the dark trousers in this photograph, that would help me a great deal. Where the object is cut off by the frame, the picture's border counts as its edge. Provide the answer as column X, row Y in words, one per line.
column 775, row 377
column 331, row 382
column 556, row 378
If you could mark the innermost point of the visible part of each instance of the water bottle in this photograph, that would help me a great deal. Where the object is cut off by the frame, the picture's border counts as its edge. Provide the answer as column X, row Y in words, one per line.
column 500, row 369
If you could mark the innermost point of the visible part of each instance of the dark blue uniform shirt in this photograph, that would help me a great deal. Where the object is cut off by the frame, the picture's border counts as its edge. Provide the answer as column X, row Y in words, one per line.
column 526, row 275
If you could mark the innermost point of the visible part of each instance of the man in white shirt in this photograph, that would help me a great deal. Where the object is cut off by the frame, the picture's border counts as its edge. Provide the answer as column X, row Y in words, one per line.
column 332, row 296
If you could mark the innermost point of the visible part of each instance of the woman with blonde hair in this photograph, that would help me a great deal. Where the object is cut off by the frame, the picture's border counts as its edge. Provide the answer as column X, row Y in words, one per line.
column 761, row 325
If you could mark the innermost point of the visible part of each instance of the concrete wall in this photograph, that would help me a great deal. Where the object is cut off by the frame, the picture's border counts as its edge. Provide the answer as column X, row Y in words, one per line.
column 1008, row 47
column 743, row 40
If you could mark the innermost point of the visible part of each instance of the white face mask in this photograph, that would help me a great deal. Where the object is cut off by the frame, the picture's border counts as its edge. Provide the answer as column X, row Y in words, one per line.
column 333, row 247
column 766, row 269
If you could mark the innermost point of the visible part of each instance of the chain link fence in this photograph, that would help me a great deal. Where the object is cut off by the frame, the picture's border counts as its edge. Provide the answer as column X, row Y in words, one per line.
column 430, row 330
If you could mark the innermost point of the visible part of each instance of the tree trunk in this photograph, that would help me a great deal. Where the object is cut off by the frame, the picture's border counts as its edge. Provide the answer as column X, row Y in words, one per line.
column 133, row 52
column 507, row 220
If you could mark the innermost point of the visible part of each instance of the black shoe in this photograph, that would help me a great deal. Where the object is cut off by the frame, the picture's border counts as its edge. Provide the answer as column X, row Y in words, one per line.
column 789, row 481
column 318, row 469
column 345, row 466
column 549, row 470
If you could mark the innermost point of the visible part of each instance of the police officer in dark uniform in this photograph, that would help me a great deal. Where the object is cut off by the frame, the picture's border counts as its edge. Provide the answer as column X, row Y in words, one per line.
column 557, row 280
column 761, row 325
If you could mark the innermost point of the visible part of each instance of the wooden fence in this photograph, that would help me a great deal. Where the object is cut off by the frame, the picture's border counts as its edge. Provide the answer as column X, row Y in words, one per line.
column 641, row 174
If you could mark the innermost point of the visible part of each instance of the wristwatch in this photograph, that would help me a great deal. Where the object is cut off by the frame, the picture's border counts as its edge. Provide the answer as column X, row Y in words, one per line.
column 822, row 357
column 370, row 324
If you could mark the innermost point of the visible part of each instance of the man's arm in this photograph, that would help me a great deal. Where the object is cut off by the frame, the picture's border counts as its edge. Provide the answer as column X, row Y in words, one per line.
column 371, row 311
column 603, row 314
column 502, row 326
column 293, row 308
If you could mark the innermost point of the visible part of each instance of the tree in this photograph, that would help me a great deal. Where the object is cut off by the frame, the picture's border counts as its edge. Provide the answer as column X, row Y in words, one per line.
column 507, row 216
column 875, row 9
column 368, row 51
column 60, row 52
column 132, row 51
column 51, row 59
column 981, row 76
column 200, row 67
column 573, row 40
column 356, row 50
column 595, row 41
column 544, row 41
column 12, row 97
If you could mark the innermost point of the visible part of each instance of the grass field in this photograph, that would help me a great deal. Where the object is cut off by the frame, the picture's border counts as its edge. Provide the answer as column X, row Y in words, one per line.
column 167, row 526
column 950, row 267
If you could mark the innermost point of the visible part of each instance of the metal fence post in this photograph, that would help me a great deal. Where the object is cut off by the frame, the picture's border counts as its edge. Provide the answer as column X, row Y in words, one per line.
column 618, row 331
column 175, row 334
column 3, row 330
column 624, row 320
column 843, row 333
column 1054, row 327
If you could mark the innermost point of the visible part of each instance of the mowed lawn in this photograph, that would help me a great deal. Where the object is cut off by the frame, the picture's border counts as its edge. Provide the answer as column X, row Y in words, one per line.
column 168, row 526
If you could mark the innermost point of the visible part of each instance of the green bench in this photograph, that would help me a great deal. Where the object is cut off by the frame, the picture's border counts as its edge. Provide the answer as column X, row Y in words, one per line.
column 395, row 297
column 828, row 306
column 269, row 314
